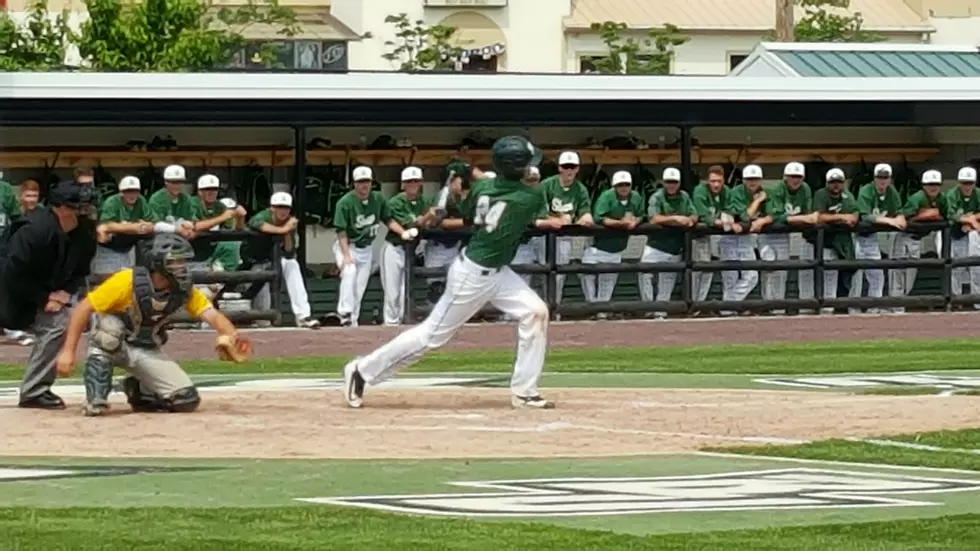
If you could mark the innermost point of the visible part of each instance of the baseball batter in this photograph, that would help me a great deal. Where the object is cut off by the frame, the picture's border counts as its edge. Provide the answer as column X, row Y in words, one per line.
column 356, row 219
column 744, row 206
column 618, row 208
column 408, row 208
column 789, row 202
column 926, row 205
column 878, row 203
column 963, row 210
column 133, row 307
column 500, row 209
column 709, row 200
column 839, row 211
column 672, row 208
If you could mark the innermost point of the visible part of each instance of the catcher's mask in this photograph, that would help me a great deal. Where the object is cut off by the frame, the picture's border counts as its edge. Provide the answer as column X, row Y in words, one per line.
column 167, row 255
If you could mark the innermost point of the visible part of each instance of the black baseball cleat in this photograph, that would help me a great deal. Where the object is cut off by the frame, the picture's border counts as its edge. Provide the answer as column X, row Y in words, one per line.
column 532, row 402
column 46, row 400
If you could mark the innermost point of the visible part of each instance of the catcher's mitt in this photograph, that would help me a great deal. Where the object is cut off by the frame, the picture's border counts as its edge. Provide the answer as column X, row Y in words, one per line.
column 236, row 349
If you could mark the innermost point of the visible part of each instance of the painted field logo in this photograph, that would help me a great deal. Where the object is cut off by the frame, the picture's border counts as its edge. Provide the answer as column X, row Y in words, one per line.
column 737, row 491
column 959, row 382
column 20, row 473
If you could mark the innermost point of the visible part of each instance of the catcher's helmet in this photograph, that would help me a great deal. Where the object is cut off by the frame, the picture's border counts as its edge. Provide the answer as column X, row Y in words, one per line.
column 512, row 156
column 168, row 253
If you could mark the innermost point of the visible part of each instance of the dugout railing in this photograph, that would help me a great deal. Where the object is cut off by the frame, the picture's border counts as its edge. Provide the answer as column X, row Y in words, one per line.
column 687, row 266
column 246, row 281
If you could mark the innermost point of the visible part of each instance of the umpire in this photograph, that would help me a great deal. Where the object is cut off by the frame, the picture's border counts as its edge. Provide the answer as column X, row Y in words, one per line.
column 45, row 261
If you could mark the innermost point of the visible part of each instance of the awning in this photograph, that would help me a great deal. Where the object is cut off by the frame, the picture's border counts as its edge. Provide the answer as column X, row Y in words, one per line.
column 477, row 34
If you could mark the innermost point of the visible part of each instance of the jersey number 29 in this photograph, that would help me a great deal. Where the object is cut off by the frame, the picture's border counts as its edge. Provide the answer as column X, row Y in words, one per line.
column 488, row 216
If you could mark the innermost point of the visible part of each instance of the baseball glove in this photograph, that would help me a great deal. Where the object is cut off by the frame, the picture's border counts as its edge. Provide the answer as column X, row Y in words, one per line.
column 236, row 349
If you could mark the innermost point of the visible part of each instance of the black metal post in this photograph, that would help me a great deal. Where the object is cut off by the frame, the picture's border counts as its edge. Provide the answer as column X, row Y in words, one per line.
column 818, row 270
column 275, row 286
column 687, row 144
column 687, row 287
column 299, row 195
column 946, row 283
column 551, row 279
column 409, row 290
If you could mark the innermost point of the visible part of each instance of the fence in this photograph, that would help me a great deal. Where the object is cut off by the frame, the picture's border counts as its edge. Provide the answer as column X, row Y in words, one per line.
column 254, row 278
column 687, row 266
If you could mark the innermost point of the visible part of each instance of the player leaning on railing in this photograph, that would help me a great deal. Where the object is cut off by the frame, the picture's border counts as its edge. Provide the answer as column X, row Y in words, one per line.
column 926, row 205
column 963, row 212
column 745, row 210
column 839, row 212
column 878, row 203
column 123, row 219
column 709, row 200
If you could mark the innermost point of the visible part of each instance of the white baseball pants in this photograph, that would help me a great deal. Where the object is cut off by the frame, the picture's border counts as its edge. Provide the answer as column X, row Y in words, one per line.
column 866, row 247
column 528, row 253
column 437, row 255
column 902, row 280
column 353, row 280
column 665, row 280
column 804, row 278
column 830, row 278
column 774, row 247
column 292, row 277
column 469, row 287
column 393, row 282
column 962, row 248
column 737, row 284
column 701, row 281
column 599, row 288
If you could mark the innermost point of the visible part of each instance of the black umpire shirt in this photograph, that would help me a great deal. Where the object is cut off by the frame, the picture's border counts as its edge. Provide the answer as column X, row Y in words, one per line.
column 40, row 258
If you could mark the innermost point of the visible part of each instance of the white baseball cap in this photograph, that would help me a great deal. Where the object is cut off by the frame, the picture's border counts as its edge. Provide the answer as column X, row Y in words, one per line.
column 883, row 170
column 411, row 173
column 489, row 175
column 836, row 175
column 129, row 183
column 362, row 173
column 533, row 171
column 229, row 203
column 671, row 175
column 751, row 172
column 208, row 181
column 967, row 174
column 281, row 199
column 174, row 173
column 933, row 177
column 568, row 158
column 794, row 169
column 622, row 177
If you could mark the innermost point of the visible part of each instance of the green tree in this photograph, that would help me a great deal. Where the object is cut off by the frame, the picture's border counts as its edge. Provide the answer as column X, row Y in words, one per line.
column 175, row 35
column 823, row 22
column 649, row 55
column 421, row 47
column 40, row 44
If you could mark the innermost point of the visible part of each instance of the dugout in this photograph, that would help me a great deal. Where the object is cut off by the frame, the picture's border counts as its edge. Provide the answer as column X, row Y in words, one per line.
column 246, row 128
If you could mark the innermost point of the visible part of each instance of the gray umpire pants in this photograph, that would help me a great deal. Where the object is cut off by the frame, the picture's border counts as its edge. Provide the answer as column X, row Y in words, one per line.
column 40, row 373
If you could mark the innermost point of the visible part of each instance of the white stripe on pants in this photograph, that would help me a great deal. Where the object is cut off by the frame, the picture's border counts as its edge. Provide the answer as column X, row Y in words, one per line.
column 665, row 280
column 737, row 284
column 901, row 281
column 393, row 282
column 774, row 247
column 963, row 248
column 292, row 278
column 701, row 281
column 599, row 288
column 353, row 280
column 866, row 248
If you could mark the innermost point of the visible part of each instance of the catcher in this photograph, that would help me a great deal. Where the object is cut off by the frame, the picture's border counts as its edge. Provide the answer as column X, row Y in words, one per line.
column 132, row 309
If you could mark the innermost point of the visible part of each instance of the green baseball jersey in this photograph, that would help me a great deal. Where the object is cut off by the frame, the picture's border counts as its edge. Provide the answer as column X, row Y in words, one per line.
column 782, row 202
column 836, row 237
column 358, row 219
column 609, row 205
column 9, row 205
column 502, row 210
column 919, row 201
column 165, row 209
column 227, row 254
column 872, row 204
column 573, row 200
column 405, row 211
column 204, row 249
column 738, row 201
column 957, row 205
column 669, row 240
column 707, row 205
column 259, row 248
column 114, row 210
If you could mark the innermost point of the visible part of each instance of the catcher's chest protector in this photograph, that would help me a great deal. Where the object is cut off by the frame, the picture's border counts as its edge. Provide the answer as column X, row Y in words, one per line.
column 149, row 314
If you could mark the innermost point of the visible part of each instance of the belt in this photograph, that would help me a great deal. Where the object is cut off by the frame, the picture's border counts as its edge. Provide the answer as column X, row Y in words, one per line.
column 484, row 271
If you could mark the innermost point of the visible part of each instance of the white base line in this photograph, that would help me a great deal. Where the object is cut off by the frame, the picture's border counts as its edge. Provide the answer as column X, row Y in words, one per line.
column 911, row 446
column 831, row 462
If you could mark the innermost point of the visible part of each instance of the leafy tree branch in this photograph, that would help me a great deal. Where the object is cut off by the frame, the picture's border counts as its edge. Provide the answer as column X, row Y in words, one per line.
column 421, row 47
column 649, row 55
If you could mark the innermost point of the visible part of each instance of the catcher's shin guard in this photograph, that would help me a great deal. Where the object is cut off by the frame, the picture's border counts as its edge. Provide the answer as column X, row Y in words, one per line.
column 184, row 400
column 98, row 379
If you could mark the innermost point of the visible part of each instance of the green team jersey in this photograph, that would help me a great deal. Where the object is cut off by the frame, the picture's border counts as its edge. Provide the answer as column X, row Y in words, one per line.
column 872, row 204
column 501, row 210
column 203, row 248
column 573, row 200
column 707, row 205
column 114, row 210
column 358, row 219
column 9, row 205
column 782, row 202
column 405, row 211
column 670, row 239
column 919, row 201
column 957, row 205
column 609, row 205
column 259, row 248
column 836, row 237
column 166, row 209
column 738, row 201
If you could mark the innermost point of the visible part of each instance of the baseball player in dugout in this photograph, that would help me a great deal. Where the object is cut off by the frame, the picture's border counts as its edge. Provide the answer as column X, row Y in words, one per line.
column 500, row 209
column 709, row 200
column 173, row 210
column 123, row 218
column 963, row 211
column 926, row 205
column 215, row 215
column 744, row 211
column 619, row 208
column 672, row 208
column 531, row 249
column 838, row 210
column 44, row 264
column 277, row 220
column 789, row 202
column 878, row 203
column 411, row 210
column 132, row 309
column 356, row 218
column 440, row 249
column 29, row 195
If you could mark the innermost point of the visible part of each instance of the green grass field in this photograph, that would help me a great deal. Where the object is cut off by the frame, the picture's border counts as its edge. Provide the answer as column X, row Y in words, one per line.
column 241, row 505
